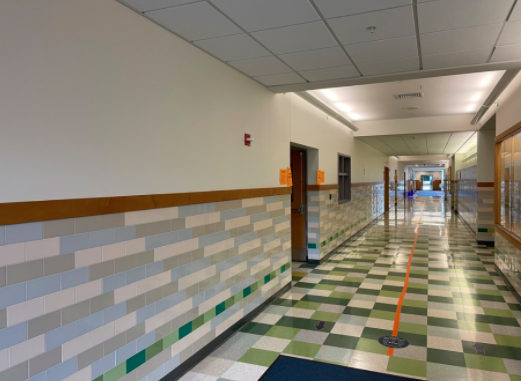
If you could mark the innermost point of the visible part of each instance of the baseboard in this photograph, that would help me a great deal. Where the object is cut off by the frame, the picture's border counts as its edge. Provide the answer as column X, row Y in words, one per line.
column 223, row 337
column 509, row 285
column 354, row 236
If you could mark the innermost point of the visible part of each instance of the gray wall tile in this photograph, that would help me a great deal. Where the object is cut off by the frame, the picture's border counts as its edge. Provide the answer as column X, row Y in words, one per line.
column 3, row 318
column 88, row 224
column 3, row 280
column 113, row 220
column 23, row 272
column 58, row 228
column 2, row 235
column 144, row 258
column 16, row 373
column 115, row 343
column 75, row 312
column 23, row 232
column 101, row 270
column 136, row 303
column 90, row 356
column 43, row 324
column 59, row 264
column 99, row 303
column 44, row 361
column 124, row 264
column 73, row 243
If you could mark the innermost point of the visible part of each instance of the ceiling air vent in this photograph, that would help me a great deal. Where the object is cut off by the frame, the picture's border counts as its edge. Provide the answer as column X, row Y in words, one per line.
column 408, row 96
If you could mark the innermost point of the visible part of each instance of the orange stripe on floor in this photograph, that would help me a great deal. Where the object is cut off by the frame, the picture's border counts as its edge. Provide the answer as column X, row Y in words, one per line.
column 396, row 327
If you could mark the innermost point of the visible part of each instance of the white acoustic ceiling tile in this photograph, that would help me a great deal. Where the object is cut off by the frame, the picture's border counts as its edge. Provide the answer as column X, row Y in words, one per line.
column 280, row 79
column 195, row 21
column 390, row 23
column 389, row 67
column 458, row 40
column 296, row 38
column 384, row 50
column 378, row 144
column 261, row 66
column 316, row 59
column 149, row 5
column 397, row 144
column 337, row 8
column 436, row 143
column 255, row 15
column 456, row 140
column 442, row 15
column 511, row 34
column 457, row 59
column 516, row 13
column 507, row 53
column 417, row 143
column 330, row 73
column 232, row 48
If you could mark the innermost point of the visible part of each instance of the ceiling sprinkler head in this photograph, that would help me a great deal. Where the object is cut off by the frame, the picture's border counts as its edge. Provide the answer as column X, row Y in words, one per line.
column 371, row 29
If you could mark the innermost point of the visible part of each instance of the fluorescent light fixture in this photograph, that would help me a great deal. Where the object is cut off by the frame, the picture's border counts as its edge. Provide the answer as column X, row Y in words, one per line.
column 330, row 94
column 353, row 116
column 343, row 107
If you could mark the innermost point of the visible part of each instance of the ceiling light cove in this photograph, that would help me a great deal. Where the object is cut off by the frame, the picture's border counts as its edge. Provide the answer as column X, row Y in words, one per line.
column 330, row 94
column 343, row 107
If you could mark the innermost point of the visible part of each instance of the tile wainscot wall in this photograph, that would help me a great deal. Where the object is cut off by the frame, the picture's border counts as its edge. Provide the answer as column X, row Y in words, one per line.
column 131, row 296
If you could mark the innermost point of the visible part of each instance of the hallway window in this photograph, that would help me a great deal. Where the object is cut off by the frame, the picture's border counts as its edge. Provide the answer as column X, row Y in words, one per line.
column 344, row 179
column 509, row 177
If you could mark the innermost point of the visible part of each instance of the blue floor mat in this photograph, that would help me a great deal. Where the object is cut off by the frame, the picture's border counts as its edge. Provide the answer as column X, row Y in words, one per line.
column 430, row 194
column 287, row 368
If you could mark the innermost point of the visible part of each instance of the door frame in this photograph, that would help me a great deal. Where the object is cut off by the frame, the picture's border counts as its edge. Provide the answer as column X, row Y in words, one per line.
column 387, row 175
column 304, row 185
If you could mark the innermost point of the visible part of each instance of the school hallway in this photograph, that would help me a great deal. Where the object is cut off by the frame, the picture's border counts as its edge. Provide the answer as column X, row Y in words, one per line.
column 454, row 306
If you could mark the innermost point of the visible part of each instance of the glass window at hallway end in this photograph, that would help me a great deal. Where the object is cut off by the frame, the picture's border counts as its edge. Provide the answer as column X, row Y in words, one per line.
column 344, row 179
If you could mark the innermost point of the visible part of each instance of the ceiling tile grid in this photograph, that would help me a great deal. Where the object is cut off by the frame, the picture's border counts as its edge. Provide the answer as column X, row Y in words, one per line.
column 323, row 40
column 419, row 144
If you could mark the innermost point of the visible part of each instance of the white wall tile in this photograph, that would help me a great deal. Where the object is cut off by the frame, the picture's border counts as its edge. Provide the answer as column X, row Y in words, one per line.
column 42, row 249
column 12, row 254
column 58, row 300
column 27, row 350
column 24, row 311
column 88, row 257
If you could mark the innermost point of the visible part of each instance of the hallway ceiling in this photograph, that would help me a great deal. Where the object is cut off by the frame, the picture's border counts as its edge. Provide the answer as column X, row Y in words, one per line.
column 319, row 42
column 419, row 144
column 457, row 94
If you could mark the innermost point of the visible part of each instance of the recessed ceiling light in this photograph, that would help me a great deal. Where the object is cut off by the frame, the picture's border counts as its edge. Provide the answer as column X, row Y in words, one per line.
column 343, row 107
column 329, row 94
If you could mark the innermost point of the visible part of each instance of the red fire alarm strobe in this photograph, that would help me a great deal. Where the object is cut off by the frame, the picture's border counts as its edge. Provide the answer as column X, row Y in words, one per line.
column 247, row 140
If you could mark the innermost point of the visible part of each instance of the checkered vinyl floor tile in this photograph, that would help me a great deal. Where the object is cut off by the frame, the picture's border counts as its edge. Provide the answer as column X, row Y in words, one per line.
column 461, row 320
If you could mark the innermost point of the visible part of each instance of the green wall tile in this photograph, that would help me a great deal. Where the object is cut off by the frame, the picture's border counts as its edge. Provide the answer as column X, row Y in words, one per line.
column 219, row 309
column 135, row 361
column 186, row 329
column 154, row 349
column 116, row 373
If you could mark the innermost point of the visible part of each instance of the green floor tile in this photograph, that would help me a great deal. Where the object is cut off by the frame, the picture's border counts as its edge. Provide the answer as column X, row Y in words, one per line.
column 410, row 367
column 341, row 341
column 259, row 357
column 325, row 316
column 419, row 329
column 376, row 314
column 445, row 357
column 256, row 328
column 300, row 348
column 509, row 341
column 370, row 345
column 491, row 364
column 282, row 332
column 307, row 305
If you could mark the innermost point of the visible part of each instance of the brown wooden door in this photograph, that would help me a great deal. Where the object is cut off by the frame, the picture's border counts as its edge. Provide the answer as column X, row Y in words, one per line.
column 298, row 207
column 387, row 188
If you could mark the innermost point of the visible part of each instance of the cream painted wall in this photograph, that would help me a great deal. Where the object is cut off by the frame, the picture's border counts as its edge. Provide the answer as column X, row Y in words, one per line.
column 312, row 128
column 96, row 100
column 368, row 163
column 508, row 113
